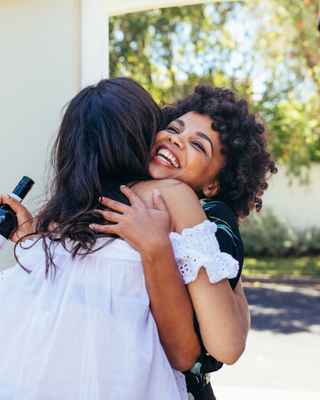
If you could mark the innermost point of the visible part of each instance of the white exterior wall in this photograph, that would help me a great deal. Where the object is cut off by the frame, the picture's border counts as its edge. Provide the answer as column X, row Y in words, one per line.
column 300, row 205
column 39, row 72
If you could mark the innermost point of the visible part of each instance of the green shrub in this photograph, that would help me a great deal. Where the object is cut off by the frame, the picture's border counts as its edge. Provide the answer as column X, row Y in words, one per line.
column 267, row 235
column 309, row 242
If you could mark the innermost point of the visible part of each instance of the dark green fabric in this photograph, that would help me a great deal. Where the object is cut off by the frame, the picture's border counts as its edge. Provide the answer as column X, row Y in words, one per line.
column 230, row 242
column 228, row 234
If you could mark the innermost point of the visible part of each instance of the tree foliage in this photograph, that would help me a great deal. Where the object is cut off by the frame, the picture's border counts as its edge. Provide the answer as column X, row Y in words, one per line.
column 269, row 47
column 288, row 44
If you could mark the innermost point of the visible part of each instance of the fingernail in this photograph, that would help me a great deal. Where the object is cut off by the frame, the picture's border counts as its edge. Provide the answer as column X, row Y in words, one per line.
column 6, row 196
column 91, row 226
column 101, row 199
column 156, row 191
column 123, row 186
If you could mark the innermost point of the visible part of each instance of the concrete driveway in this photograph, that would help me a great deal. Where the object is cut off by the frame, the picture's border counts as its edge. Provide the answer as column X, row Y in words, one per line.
column 282, row 358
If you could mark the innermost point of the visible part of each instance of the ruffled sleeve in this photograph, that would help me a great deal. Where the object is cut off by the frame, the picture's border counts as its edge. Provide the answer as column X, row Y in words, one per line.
column 198, row 247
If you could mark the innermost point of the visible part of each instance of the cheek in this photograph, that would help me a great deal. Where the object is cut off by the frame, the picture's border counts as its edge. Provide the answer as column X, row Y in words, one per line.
column 219, row 164
column 160, row 136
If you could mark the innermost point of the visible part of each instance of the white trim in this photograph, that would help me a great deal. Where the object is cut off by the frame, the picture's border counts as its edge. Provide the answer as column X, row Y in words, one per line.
column 95, row 31
column 105, row 41
column 128, row 6
column 91, row 48
column 14, row 196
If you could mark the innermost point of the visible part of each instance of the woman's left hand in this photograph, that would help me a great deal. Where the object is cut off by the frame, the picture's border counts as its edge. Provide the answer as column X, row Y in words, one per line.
column 24, row 217
column 142, row 227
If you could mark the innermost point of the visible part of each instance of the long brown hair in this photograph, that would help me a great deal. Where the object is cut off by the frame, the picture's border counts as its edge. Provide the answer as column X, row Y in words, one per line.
column 104, row 141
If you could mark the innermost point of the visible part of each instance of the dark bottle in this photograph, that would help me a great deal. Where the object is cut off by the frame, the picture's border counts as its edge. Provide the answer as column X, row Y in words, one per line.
column 8, row 219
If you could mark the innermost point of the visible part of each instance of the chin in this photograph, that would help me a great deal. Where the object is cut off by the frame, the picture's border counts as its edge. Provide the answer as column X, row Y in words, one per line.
column 158, row 173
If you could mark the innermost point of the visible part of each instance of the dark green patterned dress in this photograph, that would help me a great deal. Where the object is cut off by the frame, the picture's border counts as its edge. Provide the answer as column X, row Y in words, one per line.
column 230, row 242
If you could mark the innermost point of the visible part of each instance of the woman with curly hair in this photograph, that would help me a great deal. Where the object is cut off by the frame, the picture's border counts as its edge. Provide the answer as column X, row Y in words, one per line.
column 215, row 145
column 247, row 167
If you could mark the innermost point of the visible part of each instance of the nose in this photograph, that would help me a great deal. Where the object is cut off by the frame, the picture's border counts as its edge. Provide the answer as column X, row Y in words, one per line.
column 176, row 140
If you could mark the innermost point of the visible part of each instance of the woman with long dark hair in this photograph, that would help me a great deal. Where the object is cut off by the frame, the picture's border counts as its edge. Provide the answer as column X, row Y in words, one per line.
column 75, row 321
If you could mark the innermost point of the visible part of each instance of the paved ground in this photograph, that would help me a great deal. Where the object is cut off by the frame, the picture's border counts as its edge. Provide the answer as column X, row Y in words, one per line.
column 282, row 359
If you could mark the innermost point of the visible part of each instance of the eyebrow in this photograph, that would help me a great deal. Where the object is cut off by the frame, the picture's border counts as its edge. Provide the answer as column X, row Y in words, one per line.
column 204, row 136
column 198, row 133
column 180, row 122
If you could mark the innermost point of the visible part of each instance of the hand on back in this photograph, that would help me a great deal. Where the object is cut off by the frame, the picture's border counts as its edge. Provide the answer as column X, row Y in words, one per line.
column 145, row 228
column 139, row 225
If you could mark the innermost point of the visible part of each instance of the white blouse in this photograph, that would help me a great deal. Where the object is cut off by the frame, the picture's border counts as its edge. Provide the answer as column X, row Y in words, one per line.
column 89, row 333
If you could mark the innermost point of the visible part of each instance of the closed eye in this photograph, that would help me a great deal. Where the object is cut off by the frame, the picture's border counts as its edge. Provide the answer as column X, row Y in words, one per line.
column 173, row 129
column 199, row 146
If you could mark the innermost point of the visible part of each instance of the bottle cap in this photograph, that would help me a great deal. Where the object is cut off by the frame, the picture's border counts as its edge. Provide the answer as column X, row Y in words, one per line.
column 23, row 187
column 26, row 182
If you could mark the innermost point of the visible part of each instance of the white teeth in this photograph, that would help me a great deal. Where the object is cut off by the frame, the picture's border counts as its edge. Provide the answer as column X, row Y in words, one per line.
column 167, row 156
column 163, row 159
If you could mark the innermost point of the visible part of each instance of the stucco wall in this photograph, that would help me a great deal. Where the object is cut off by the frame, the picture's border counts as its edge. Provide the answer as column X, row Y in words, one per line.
column 299, row 204
column 39, row 73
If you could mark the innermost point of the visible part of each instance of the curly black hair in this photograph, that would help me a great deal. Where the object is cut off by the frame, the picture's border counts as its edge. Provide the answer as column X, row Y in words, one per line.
column 243, row 179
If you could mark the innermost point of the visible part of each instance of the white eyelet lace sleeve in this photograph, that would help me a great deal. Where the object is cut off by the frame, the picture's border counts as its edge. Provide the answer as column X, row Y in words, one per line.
column 198, row 247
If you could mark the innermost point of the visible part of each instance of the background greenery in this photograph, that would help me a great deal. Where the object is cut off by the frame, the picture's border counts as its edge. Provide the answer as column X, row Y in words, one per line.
column 274, row 247
column 269, row 46
column 268, row 50
column 267, row 235
column 282, row 266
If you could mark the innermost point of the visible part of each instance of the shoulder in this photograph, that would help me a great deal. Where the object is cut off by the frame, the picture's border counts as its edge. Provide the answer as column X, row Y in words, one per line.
column 219, row 212
column 182, row 203
column 228, row 234
column 171, row 189
column 178, row 190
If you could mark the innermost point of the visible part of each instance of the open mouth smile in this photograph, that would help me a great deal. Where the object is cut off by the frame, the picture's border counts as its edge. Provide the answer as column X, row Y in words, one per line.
column 164, row 154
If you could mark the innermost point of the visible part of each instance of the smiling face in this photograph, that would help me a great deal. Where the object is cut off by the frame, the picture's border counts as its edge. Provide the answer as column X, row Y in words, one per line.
column 189, row 150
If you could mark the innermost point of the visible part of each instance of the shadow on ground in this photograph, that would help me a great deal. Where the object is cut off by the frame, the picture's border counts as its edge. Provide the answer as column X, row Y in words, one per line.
column 284, row 311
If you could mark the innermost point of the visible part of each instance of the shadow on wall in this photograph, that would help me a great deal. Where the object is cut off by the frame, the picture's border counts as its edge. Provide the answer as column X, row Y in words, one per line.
column 284, row 309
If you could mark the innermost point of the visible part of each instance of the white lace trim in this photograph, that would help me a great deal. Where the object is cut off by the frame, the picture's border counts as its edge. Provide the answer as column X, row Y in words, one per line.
column 198, row 247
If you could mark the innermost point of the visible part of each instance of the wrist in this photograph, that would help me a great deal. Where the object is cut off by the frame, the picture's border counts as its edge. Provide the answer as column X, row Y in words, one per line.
column 155, row 251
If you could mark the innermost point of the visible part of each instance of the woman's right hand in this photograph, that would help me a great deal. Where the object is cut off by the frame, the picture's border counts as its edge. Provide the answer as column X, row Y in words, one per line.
column 147, row 231
column 24, row 217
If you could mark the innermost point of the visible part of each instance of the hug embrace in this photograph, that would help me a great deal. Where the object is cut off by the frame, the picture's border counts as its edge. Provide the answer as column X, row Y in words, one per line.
column 124, row 278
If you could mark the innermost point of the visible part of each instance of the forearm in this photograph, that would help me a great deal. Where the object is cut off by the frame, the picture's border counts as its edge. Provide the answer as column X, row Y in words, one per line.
column 171, row 306
column 222, row 317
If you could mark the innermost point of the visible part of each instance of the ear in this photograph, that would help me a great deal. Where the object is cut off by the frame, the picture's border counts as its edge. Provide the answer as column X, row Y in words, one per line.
column 212, row 189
